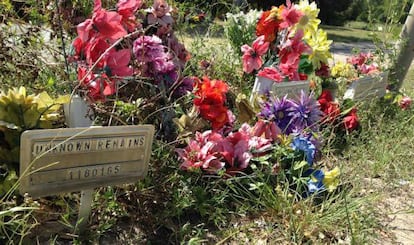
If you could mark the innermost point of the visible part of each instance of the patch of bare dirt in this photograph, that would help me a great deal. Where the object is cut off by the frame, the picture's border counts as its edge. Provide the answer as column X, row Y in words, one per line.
column 398, row 210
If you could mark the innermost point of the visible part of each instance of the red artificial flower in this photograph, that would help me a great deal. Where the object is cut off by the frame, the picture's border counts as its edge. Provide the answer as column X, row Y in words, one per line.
column 271, row 73
column 290, row 67
column 98, row 85
column 78, row 47
column 326, row 95
column 323, row 71
column 252, row 59
column 351, row 120
column 210, row 101
column 303, row 76
column 268, row 26
column 330, row 109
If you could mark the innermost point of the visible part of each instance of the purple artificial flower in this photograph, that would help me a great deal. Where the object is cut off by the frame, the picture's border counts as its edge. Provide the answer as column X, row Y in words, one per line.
column 150, row 52
column 305, row 113
column 148, row 48
column 186, row 85
column 279, row 111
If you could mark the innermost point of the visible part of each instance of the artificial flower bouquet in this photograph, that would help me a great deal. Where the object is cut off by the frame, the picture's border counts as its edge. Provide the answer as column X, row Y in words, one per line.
column 282, row 141
column 130, row 56
column 360, row 77
column 289, row 45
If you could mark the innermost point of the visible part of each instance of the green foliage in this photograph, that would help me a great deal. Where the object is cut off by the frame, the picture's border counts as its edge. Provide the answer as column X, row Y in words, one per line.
column 240, row 29
column 15, row 223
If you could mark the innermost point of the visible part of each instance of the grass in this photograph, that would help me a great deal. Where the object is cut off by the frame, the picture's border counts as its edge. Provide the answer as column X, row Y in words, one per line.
column 347, row 34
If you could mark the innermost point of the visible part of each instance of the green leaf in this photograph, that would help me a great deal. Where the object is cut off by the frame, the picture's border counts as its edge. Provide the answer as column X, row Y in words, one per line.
column 299, row 165
column 50, row 82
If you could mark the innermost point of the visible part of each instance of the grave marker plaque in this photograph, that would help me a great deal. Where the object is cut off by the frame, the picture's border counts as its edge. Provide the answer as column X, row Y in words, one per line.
column 71, row 159
column 369, row 87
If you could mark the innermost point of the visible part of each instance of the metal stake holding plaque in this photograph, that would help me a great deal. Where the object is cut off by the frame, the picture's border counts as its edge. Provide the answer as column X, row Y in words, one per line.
column 85, row 209
column 72, row 159
column 77, row 115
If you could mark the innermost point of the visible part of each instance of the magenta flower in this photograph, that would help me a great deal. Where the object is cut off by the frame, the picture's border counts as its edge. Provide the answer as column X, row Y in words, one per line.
column 405, row 103
column 199, row 156
column 252, row 59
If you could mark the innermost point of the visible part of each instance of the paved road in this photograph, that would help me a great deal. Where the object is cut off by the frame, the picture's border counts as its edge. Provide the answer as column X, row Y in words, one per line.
column 342, row 50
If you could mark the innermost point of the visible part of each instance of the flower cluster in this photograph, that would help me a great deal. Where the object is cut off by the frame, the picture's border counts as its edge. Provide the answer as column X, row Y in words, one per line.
column 110, row 47
column 210, row 101
column 292, row 115
column 211, row 151
column 285, row 134
column 289, row 45
column 332, row 112
column 356, row 66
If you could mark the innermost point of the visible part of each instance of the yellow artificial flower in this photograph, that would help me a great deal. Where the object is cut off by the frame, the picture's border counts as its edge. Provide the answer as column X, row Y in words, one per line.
column 345, row 70
column 331, row 180
column 309, row 22
column 320, row 48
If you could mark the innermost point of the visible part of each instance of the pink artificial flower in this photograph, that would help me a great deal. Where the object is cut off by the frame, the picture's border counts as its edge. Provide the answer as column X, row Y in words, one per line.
column 160, row 8
column 199, row 156
column 117, row 63
column 127, row 9
column 271, row 73
column 290, row 53
column 290, row 67
column 108, row 24
column 244, row 143
column 242, row 154
column 181, row 55
column 369, row 69
column 405, row 103
column 221, row 145
column 294, row 46
column 85, row 30
column 252, row 55
column 94, row 49
column 290, row 15
column 267, row 130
